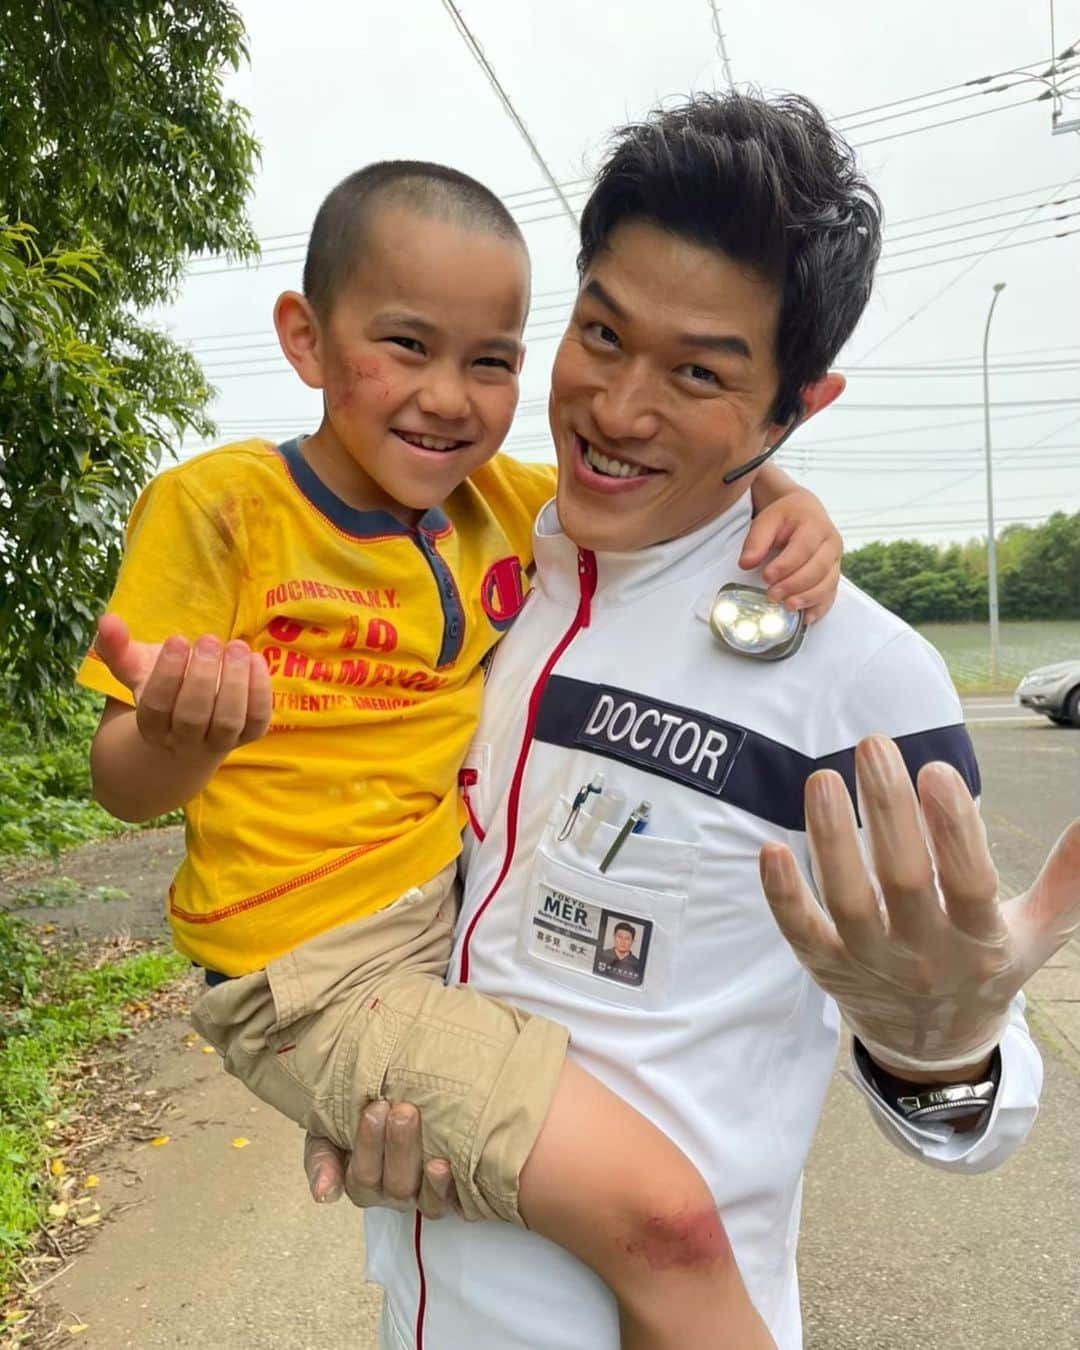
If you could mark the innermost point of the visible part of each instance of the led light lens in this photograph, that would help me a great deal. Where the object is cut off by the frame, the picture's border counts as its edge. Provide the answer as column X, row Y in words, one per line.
column 746, row 630
column 744, row 621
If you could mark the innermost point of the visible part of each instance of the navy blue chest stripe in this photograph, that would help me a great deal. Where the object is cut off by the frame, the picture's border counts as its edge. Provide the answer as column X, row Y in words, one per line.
column 752, row 772
column 380, row 524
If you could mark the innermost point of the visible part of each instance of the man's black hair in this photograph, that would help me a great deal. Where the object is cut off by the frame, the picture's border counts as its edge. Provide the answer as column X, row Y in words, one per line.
column 339, row 234
column 767, row 182
column 624, row 928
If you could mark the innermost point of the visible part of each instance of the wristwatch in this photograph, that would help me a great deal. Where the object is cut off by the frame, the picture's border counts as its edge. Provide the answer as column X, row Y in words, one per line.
column 926, row 1103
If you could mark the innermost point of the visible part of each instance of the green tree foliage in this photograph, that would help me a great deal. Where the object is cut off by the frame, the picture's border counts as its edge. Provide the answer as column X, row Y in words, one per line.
column 120, row 156
column 1038, row 570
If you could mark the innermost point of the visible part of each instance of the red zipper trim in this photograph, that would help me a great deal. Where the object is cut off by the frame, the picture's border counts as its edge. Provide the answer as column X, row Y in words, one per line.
column 468, row 778
column 587, row 583
column 421, row 1301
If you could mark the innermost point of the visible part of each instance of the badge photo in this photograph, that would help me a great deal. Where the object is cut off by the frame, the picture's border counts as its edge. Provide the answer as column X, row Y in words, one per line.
column 623, row 950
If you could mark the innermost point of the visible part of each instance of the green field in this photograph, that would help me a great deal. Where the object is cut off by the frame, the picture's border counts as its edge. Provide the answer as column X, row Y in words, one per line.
column 966, row 649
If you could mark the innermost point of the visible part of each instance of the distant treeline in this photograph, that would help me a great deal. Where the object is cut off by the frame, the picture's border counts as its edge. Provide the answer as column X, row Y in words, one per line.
column 1038, row 574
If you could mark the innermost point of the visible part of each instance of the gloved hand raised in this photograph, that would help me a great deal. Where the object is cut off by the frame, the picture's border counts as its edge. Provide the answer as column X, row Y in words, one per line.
column 923, row 971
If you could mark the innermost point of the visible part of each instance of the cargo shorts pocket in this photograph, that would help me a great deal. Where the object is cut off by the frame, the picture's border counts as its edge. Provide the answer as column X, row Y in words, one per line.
column 335, row 1055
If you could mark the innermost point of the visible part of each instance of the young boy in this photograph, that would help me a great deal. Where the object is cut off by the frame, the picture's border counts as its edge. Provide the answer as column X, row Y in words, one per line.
column 341, row 593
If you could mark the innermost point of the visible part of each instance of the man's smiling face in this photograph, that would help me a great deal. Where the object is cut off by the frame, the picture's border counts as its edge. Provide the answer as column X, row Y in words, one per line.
column 662, row 384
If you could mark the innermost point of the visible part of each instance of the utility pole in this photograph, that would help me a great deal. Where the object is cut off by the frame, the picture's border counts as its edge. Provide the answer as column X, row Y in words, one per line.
column 991, row 541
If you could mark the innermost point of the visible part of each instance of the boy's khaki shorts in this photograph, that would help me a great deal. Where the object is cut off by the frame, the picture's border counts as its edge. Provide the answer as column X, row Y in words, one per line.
column 361, row 1013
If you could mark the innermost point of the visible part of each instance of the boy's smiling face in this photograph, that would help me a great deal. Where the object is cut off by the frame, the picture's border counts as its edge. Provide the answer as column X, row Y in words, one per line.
column 418, row 361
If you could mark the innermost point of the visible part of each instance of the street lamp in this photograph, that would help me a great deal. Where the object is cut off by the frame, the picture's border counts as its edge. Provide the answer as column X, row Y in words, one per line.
column 991, row 542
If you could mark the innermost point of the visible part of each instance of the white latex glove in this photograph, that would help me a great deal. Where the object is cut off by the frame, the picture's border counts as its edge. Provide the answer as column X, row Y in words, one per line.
column 923, row 975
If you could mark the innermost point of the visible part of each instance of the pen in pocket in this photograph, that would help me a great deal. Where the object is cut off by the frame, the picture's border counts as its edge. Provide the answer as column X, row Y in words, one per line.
column 580, row 798
column 635, row 823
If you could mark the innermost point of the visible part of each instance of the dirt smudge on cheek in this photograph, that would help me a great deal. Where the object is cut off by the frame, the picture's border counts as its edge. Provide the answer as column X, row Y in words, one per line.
column 364, row 377
column 688, row 1241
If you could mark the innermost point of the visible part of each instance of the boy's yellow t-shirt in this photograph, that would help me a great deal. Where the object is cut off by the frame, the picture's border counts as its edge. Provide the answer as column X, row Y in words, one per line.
column 374, row 634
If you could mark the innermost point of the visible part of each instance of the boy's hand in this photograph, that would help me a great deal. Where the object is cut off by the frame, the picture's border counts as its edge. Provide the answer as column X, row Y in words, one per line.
column 805, row 573
column 190, row 699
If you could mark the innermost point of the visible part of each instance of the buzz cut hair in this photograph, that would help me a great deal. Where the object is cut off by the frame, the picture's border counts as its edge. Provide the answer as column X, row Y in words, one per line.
column 342, row 225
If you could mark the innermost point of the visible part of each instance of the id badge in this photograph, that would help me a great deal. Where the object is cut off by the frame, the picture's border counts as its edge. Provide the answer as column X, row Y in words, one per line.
column 567, row 930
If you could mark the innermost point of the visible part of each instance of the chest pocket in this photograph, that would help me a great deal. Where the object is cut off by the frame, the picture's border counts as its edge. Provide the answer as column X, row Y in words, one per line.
column 611, row 936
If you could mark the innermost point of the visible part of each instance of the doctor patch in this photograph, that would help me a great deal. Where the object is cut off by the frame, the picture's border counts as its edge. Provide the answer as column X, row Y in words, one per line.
column 678, row 743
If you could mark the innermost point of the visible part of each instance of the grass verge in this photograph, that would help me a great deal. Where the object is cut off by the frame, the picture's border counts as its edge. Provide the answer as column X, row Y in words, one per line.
column 55, row 1004
column 46, row 803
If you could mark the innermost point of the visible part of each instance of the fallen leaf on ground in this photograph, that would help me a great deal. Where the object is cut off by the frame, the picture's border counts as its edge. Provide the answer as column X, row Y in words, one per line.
column 160, row 1141
column 209, row 1050
column 240, row 1142
column 86, row 1223
column 58, row 1210
column 191, row 1038
column 79, row 1328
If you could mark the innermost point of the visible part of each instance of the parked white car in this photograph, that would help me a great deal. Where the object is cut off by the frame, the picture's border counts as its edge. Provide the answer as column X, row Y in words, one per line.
column 1053, row 690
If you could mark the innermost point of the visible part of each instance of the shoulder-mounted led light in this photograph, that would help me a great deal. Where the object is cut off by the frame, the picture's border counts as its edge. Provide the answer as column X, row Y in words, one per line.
column 744, row 621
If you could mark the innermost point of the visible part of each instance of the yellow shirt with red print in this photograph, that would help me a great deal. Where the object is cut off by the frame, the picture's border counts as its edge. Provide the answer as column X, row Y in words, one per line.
column 374, row 634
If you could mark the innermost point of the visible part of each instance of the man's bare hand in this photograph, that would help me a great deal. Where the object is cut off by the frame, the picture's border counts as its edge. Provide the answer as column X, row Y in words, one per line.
column 385, row 1169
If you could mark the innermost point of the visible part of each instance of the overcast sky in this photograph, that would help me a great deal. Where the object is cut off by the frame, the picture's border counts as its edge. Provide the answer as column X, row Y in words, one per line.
column 335, row 84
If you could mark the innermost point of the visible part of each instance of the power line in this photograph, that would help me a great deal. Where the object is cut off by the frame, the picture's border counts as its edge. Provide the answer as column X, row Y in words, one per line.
column 891, row 527
column 575, row 191
column 980, row 220
column 574, row 187
column 960, row 257
column 931, row 107
column 721, row 44
column 986, row 201
column 982, row 234
column 966, row 271
column 922, row 426
column 558, row 190
column 508, row 107
column 917, row 455
column 949, row 88
column 948, row 122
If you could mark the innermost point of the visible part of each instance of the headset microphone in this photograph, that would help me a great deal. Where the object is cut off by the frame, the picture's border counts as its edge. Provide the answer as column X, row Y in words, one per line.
column 733, row 475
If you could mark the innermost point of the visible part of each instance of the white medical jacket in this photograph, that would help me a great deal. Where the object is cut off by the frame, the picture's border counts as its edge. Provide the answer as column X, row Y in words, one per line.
column 711, row 1028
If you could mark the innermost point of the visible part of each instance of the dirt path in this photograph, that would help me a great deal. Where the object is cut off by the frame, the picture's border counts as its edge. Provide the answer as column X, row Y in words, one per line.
column 111, row 888
column 202, row 1242
column 223, row 1246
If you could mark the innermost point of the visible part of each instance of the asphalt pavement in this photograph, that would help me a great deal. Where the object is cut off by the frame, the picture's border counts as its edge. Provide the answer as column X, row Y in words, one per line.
column 223, row 1247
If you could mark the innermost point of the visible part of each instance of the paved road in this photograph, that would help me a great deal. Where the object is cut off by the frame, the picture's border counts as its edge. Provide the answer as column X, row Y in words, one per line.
column 1031, row 784
column 995, row 708
column 225, row 1250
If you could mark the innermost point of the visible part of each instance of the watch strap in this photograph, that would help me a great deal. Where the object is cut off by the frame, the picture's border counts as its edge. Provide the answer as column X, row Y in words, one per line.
column 925, row 1103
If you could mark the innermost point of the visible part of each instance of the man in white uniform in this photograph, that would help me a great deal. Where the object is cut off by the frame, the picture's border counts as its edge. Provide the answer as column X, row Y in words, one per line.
column 727, row 252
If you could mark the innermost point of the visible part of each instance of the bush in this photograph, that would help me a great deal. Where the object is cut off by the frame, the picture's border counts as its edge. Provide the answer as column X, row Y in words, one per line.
column 45, row 796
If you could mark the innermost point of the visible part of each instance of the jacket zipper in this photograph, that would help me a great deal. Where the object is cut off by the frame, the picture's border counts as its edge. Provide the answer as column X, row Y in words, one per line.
column 468, row 778
column 587, row 589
